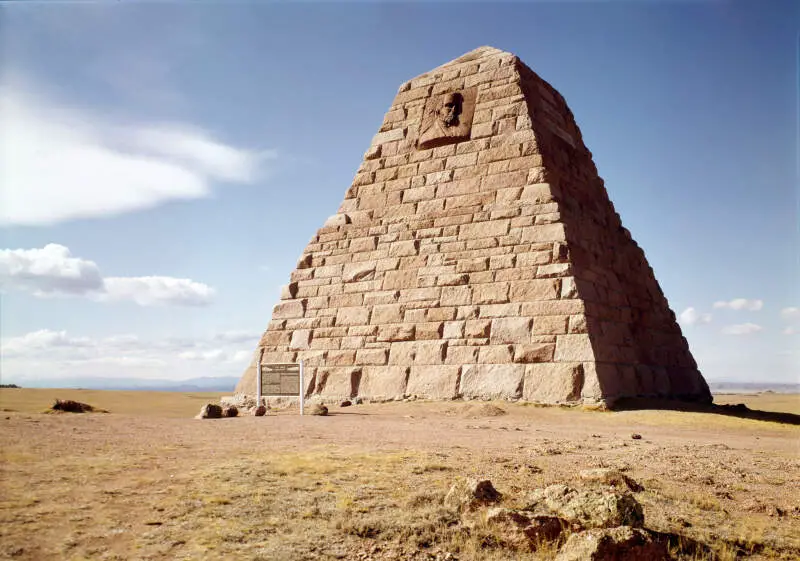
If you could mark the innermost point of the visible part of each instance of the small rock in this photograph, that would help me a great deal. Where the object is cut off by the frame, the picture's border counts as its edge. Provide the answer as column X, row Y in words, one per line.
column 471, row 493
column 210, row 411
column 612, row 544
column 636, row 436
column 320, row 410
column 346, row 403
column 230, row 411
column 359, row 401
column 259, row 411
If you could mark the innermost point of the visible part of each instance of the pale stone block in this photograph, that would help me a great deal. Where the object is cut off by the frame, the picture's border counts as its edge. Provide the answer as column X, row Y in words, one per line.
column 301, row 340
column 491, row 228
column 289, row 291
column 397, row 332
column 456, row 295
column 553, row 383
column 554, row 270
column 573, row 348
column 388, row 136
column 441, row 313
column 568, row 288
column 492, row 381
column 453, row 330
column 499, row 310
column 372, row 356
column 538, row 194
column 362, row 330
column 496, row 354
column 428, row 330
column 467, row 312
column 328, row 271
column 434, row 382
column 387, row 313
column 404, row 248
column 381, row 297
column 400, row 279
column 461, row 354
column 341, row 357
column 452, row 279
column 383, row 381
column 534, row 352
column 369, row 243
column 477, row 328
column 577, row 324
column 490, row 293
column 544, row 233
column 550, row 325
column 289, row 309
column 502, row 261
column 511, row 330
column 338, row 383
column 358, row 315
column 430, row 352
column 553, row 308
column 473, row 265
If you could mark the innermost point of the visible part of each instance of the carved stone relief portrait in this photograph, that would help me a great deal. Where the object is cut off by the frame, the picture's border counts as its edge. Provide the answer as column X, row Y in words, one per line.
column 447, row 118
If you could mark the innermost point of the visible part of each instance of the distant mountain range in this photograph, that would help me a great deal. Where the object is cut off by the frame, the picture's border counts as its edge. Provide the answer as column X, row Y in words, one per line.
column 752, row 387
column 208, row 384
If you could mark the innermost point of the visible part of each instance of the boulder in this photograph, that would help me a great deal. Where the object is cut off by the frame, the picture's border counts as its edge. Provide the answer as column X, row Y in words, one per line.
column 210, row 411
column 319, row 410
column 612, row 544
column 522, row 530
column 589, row 508
column 259, row 411
column 71, row 406
column 469, row 494
column 230, row 411
column 611, row 477
column 346, row 403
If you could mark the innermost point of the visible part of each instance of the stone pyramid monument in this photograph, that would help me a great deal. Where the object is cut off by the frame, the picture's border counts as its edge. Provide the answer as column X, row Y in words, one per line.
column 477, row 255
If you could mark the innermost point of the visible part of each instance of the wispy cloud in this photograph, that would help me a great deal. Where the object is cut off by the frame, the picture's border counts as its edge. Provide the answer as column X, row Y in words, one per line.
column 742, row 329
column 690, row 316
column 790, row 313
column 61, row 163
column 789, row 330
column 52, row 271
column 161, row 358
column 740, row 304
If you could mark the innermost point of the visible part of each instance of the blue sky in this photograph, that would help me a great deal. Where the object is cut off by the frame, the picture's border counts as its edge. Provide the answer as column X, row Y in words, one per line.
column 162, row 165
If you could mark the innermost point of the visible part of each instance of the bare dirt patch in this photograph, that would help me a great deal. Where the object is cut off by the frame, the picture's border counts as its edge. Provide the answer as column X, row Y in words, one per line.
column 369, row 481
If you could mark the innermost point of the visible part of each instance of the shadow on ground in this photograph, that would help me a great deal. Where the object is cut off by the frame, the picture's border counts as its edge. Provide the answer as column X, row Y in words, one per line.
column 739, row 410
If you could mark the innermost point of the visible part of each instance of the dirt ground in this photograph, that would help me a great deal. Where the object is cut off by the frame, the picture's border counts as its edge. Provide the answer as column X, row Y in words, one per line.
column 367, row 481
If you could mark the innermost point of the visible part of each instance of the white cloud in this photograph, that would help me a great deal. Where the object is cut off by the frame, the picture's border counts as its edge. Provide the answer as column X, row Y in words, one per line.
column 690, row 316
column 790, row 313
column 742, row 329
column 59, row 354
column 61, row 163
column 741, row 304
column 148, row 291
column 53, row 271
column 789, row 330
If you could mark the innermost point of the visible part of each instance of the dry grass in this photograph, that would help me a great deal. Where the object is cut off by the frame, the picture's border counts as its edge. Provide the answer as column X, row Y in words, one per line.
column 141, row 483
column 161, row 404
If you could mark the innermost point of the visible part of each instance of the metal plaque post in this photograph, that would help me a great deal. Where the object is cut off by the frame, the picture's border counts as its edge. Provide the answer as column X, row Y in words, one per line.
column 302, row 389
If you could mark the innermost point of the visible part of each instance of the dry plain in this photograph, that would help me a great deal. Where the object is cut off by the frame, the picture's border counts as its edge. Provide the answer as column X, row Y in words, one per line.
column 147, row 481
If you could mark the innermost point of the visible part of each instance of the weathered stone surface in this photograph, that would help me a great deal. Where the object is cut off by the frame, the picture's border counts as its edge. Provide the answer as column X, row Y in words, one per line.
column 469, row 494
column 491, row 247
column 553, row 382
column 613, row 544
column 587, row 508
column 611, row 477
column 520, row 530
column 434, row 382
column 493, row 381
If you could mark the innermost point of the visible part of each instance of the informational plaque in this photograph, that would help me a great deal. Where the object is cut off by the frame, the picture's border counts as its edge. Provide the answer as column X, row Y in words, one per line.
column 280, row 379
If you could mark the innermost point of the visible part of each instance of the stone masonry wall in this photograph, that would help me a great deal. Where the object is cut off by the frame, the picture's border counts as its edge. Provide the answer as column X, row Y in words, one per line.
column 494, row 267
